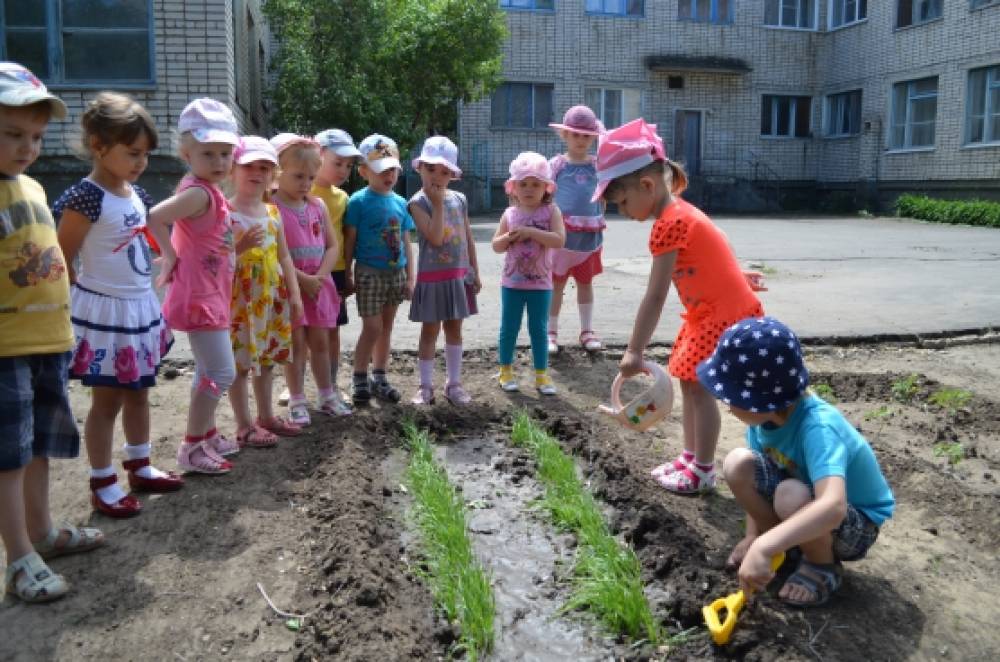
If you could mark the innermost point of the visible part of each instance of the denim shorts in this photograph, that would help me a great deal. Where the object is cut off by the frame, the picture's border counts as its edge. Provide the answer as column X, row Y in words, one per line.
column 856, row 533
column 35, row 418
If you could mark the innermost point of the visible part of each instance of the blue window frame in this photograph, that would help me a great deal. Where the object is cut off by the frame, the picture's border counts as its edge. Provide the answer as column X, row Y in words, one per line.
column 976, row 4
column 530, row 5
column 706, row 11
column 616, row 7
column 521, row 106
column 81, row 43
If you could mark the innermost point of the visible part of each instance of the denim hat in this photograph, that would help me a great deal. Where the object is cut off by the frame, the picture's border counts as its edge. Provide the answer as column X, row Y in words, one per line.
column 624, row 150
column 440, row 150
column 209, row 121
column 20, row 87
column 379, row 153
column 756, row 366
column 337, row 141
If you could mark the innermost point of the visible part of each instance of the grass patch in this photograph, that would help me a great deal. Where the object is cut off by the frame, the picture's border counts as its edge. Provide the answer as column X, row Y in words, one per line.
column 825, row 391
column 458, row 582
column 954, row 212
column 878, row 414
column 953, row 451
column 606, row 575
column 904, row 389
column 951, row 399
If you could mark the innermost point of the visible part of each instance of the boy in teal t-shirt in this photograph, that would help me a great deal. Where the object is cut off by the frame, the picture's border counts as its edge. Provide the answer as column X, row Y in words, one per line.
column 807, row 478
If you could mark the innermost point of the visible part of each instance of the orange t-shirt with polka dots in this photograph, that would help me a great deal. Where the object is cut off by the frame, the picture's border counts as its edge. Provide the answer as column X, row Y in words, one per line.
column 709, row 282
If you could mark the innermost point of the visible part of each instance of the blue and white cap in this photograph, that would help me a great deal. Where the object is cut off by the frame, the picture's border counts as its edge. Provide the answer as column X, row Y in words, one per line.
column 337, row 141
column 757, row 366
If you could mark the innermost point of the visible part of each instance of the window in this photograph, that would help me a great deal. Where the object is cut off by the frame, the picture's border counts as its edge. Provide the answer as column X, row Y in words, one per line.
column 708, row 11
column 914, row 112
column 613, row 106
column 913, row 12
column 843, row 114
column 982, row 119
column 790, row 13
column 522, row 106
column 845, row 12
column 976, row 4
column 80, row 41
column 616, row 7
column 539, row 5
column 785, row 116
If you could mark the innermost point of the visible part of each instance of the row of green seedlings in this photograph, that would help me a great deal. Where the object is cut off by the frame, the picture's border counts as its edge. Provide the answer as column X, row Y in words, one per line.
column 606, row 575
column 461, row 587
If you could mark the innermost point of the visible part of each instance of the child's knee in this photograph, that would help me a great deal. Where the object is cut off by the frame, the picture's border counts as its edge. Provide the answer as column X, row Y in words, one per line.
column 790, row 496
column 739, row 466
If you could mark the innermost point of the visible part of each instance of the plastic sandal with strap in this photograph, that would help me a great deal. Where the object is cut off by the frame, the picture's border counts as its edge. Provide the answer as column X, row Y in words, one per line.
column 334, row 406
column 423, row 396
column 590, row 341
column 221, row 444
column 457, row 395
column 79, row 539
column 280, row 427
column 200, row 458
column 385, row 391
column 299, row 413
column 256, row 437
column 690, row 480
column 667, row 468
column 31, row 580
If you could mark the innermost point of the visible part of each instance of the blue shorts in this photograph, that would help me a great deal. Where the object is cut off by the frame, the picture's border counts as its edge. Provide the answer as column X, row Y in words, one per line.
column 851, row 540
column 35, row 418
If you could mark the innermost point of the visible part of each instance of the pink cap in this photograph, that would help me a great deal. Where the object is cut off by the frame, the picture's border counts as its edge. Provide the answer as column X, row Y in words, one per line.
column 209, row 121
column 580, row 119
column 254, row 148
column 283, row 141
column 626, row 149
column 530, row 164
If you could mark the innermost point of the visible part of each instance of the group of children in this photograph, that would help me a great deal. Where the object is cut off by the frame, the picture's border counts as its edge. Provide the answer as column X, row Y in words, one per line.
column 260, row 279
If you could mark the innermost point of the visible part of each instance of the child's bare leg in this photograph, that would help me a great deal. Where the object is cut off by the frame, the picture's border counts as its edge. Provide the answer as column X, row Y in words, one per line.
column 739, row 470
column 371, row 329
column 295, row 370
column 36, row 499
column 319, row 356
column 333, row 343
column 13, row 528
column 427, row 345
column 790, row 496
column 262, row 385
column 239, row 398
column 135, row 416
column 706, row 421
column 383, row 344
column 558, row 289
column 99, row 429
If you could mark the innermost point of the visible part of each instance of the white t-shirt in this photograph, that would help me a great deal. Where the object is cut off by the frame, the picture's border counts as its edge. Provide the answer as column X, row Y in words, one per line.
column 115, row 258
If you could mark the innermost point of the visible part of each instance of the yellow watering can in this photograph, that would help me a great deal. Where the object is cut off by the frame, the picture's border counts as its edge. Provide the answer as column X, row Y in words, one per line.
column 722, row 630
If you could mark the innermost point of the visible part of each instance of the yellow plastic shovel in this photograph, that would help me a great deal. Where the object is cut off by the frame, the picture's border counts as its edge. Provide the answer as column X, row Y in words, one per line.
column 722, row 630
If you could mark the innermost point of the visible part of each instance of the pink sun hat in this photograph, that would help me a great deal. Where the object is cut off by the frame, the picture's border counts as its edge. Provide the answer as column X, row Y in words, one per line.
column 530, row 164
column 626, row 149
column 580, row 119
column 283, row 141
column 254, row 148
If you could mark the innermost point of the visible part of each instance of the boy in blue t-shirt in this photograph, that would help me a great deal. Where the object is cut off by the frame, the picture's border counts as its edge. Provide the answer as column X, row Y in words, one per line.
column 376, row 237
column 808, row 478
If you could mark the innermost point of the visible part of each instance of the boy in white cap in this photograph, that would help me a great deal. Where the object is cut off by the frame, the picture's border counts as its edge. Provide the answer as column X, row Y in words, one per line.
column 35, row 342
column 376, row 237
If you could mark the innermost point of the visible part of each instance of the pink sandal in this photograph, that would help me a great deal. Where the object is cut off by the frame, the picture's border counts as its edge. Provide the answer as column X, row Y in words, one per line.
column 280, row 426
column 200, row 458
column 667, row 468
column 256, row 437
column 689, row 480
column 590, row 341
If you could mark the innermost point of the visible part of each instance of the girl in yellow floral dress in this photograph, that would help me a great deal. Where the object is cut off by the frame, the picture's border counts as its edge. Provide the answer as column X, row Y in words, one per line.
column 264, row 301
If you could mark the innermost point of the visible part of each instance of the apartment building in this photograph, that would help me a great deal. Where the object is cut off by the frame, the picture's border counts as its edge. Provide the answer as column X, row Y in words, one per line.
column 768, row 103
column 162, row 52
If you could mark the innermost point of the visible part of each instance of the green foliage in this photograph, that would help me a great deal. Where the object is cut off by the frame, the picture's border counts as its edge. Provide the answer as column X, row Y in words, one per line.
column 825, row 391
column 460, row 585
column 607, row 576
column 953, row 212
column 904, row 389
column 397, row 67
column 951, row 399
column 954, row 451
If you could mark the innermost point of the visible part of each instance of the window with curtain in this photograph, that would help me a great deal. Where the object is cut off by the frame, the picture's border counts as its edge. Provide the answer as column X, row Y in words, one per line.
column 785, row 116
column 521, row 106
column 914, row 12
column 706, row 11
column 843, row 114
column 982, row 110
column 616, row 7
column 790, row 13
column 845, row 12
column 914, row 113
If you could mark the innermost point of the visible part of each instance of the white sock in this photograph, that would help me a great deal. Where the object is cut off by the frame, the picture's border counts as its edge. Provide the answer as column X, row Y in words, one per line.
column 139, row 451
column 553, row 325
column 586, row 317
column 112, row 493
column 426, row 367
column 453, row 362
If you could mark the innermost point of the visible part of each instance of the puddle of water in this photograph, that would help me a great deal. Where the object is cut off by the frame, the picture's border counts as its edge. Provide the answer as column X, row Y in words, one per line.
column 521, row 553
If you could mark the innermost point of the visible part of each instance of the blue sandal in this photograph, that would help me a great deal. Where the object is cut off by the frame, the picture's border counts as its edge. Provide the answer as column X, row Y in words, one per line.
column 821, row 579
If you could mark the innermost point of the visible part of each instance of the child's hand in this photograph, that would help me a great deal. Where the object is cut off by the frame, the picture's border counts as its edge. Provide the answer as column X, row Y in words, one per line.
column 435, row 194
column 297, row 310
column 755, row 571
column 167, row 265
column 631, row 364
column 477, row 285
column 516, row 235
column 755, row 280
column 310, row 286
column 349, row 288
column 408, row 288
column 252, row 238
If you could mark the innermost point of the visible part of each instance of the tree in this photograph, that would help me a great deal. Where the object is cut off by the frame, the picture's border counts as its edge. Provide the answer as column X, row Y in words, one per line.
column 397, row 67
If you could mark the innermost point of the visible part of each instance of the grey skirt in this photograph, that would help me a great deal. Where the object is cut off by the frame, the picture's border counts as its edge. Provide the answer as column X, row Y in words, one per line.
column 443, row 300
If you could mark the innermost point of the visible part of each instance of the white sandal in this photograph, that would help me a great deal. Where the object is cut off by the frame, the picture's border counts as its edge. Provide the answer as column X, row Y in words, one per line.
column 31, row 580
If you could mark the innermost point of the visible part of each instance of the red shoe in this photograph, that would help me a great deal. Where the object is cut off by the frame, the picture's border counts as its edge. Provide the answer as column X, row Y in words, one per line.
column 169, row 483
column 127, row 506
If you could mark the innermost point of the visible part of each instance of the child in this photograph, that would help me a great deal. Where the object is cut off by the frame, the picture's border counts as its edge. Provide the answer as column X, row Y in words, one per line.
column 376, row 235
column 448, row 274
column 634, row 172
column 265, row 296
column 313, row 248
column 198, row 262
column 528, row 232
column 339, row 155
column 35, row 342
column 576, row 178
column 808, row 478
column 120, row 333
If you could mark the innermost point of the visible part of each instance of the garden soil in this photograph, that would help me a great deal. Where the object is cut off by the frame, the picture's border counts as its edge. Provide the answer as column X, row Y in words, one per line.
column 319, row 525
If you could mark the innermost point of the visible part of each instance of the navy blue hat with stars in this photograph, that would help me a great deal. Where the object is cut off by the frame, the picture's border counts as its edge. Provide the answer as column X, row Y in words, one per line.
column 756, row 366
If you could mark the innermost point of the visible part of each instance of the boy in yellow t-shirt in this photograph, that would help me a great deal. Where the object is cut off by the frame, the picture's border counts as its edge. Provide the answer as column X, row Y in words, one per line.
column 35, row 342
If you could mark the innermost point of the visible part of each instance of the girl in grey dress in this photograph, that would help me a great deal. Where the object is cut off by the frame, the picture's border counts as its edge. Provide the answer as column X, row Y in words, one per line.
column 447, row 271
